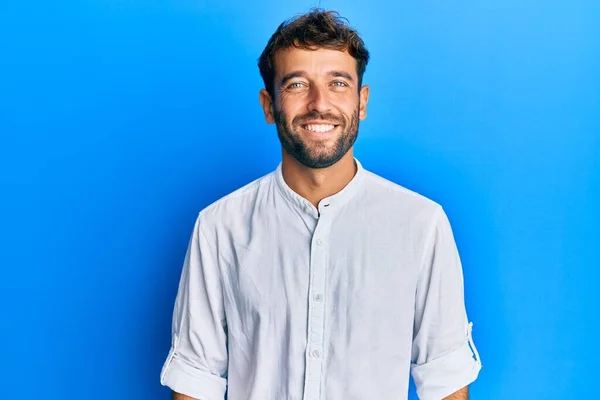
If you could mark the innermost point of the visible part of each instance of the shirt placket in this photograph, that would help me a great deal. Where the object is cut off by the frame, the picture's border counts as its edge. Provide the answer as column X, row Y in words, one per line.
column 316, row 311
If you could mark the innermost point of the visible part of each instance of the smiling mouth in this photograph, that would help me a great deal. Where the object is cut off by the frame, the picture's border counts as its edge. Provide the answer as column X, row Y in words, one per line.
column 319, row 128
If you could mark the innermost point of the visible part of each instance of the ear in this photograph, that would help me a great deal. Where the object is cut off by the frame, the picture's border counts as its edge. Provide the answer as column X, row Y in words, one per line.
column 364, row 99
column 267, row 105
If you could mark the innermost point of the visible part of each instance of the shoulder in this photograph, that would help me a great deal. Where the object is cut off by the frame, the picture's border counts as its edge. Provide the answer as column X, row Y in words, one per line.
column 404, row 212
column 235, row 204
column 394, row 197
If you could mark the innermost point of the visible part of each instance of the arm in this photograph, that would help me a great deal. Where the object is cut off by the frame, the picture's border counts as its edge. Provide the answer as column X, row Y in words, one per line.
column 197, row 361
column 462, row 394
column 444, row 355
column 178, row 396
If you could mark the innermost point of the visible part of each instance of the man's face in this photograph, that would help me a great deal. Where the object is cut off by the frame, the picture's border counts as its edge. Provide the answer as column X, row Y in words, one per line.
column 317, row 104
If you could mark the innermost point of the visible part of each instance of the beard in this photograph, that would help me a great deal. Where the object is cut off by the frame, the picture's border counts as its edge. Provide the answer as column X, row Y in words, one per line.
column 316, row 154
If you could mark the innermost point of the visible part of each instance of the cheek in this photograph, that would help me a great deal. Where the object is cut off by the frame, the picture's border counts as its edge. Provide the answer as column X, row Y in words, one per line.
column 290, row 110
column 347, row 104
column 349, row 111
column 292, row 100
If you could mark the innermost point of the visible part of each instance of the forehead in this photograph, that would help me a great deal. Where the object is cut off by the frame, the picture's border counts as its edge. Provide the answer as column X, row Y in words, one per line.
column 313, row 62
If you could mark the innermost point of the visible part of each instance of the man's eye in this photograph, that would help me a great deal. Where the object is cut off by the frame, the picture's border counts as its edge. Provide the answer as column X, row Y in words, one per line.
column 295, row 85
column 339, row 84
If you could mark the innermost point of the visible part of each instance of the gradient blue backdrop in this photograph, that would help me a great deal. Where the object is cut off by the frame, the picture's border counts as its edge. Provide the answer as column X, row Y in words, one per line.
column 121, row 120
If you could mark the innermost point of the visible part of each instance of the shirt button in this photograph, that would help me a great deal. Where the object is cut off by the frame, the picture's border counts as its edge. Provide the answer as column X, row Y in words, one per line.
column 318, row 297
column 316, row 354
column 307, row 210
column 320, row 242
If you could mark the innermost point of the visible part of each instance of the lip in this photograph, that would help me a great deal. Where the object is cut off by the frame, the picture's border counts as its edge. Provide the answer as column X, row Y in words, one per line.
column 318, row 122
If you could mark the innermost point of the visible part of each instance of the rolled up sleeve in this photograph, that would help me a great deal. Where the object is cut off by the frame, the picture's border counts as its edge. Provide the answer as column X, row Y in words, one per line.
column 196, row 365
column 444, row 357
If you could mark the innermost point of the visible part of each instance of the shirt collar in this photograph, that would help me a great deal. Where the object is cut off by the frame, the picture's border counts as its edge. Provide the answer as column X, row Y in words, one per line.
column 331, row 202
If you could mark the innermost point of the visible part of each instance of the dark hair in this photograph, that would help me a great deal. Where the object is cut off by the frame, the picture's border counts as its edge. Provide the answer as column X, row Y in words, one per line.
column 313, row 30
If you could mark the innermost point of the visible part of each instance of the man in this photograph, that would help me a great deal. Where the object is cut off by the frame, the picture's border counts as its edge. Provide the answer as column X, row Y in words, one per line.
column 320, row 280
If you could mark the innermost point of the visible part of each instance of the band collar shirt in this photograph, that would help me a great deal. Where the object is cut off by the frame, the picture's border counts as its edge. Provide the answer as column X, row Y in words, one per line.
column 282, row 300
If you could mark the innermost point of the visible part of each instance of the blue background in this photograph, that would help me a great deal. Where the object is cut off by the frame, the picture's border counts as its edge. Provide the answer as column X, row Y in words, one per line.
column 121, row 120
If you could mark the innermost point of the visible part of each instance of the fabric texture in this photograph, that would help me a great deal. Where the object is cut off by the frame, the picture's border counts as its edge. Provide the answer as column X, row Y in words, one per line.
column 282, row 300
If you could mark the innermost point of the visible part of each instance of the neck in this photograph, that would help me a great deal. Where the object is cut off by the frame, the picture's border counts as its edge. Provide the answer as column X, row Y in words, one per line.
column 316, row 184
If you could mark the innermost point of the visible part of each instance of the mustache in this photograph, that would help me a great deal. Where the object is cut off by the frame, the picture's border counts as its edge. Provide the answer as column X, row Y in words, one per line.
column 329, row 117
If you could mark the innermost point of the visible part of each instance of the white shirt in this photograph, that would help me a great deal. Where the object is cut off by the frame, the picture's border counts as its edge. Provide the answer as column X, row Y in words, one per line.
column 279, row 300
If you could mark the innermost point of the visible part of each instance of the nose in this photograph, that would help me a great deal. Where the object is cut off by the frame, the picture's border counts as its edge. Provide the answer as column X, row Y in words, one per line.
column 318, row 99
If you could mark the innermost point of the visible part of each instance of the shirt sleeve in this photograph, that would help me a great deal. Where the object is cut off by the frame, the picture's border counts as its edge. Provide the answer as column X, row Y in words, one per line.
column 196, row 365
column 444, row 357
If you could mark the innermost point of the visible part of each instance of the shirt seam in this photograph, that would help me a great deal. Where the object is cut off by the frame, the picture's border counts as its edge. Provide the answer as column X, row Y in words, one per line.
column 238, row 193
column 430, row 236
column 218, row 266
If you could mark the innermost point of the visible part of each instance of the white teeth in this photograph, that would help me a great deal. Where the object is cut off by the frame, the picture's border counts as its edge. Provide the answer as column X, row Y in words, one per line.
column 319, row 128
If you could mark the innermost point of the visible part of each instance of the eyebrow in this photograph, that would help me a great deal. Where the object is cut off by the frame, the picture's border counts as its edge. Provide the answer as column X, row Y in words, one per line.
column 341, row 74
column 292, row 75
column 298, row 74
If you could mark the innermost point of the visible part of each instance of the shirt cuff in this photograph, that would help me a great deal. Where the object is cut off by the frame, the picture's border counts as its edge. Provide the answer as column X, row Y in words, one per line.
column 182, row 378
column 445, row 375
